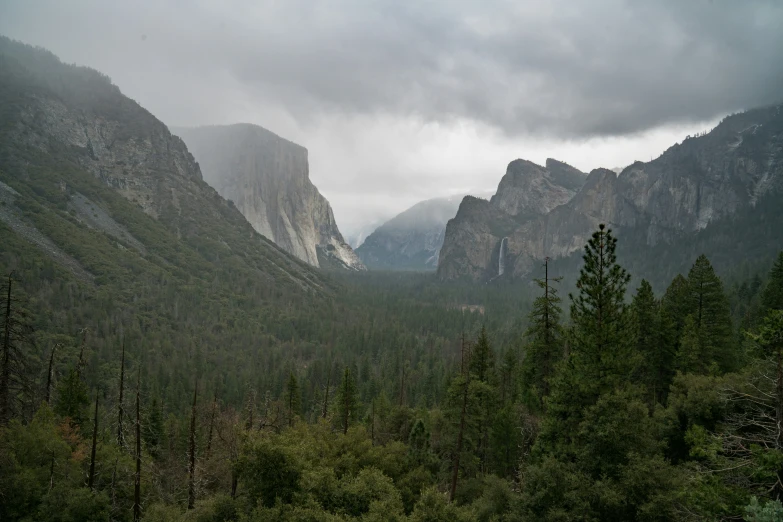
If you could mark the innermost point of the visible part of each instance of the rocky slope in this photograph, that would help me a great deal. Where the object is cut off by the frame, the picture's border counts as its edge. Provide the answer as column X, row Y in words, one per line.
column 702, row 180
column 267, row 178
column 98, row 185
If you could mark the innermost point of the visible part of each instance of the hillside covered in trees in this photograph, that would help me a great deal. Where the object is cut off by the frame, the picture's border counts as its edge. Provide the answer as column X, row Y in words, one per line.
column 612, row 404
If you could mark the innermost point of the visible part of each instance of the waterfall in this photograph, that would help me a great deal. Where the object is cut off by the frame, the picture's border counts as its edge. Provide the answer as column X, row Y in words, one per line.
column 502, row 256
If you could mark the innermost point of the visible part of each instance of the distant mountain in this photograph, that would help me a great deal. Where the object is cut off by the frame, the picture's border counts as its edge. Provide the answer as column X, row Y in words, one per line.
column 357, row 235
column 704, row 180
column 267, row 178
column 412, row 239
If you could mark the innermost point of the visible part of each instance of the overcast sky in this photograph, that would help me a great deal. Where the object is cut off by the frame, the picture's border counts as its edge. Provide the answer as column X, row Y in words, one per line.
column 399, row 101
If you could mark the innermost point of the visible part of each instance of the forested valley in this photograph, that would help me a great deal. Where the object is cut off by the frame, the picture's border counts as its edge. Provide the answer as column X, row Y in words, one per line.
column 392, row 398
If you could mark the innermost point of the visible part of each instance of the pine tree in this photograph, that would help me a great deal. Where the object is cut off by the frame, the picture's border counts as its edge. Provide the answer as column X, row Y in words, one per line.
column 675, row 305
column 293, row 398
column 545, row 344
column 772, row 296
column 347, row 400
column 711, row 317
column 674, row 310
column 601, row 357
column 482, row 359
column 508, row 377
column 655, row 357
column 600, row 347
column 693, row 356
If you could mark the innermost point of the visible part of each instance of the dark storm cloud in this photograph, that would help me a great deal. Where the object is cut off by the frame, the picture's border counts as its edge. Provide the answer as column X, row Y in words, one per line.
column 564, row 68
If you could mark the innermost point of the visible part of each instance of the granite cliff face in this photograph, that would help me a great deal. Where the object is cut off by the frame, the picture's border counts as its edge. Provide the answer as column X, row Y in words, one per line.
column 267, row 178
column 527, row 191
column 697, row 182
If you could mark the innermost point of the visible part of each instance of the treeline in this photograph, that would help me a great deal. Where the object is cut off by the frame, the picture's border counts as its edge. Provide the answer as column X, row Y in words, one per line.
column 628, row 407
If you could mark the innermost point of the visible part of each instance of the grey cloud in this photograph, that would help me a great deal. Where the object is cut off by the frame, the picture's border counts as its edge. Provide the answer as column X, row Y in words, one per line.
column 572, row 69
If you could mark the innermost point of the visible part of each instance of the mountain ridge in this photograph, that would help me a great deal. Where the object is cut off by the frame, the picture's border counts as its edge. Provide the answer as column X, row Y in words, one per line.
column 700, row 180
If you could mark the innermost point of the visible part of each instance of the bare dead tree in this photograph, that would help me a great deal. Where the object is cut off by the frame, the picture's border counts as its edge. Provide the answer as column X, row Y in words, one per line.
column 192, row 453
column 755, row 421
column 211, row 425
column 50, row 373
column 14, row 367
column 120, row 411
column 137, row 478
column 91, row 477
column 80, row 364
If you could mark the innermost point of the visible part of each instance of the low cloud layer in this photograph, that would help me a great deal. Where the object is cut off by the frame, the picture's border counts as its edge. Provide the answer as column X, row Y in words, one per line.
column 432, row 91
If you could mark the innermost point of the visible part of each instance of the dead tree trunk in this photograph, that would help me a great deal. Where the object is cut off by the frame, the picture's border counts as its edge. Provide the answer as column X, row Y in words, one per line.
column 326, row 395
column 137, row 478
column 192, row 454
column 120, row 410
column 91, row 478
column 5, row 371
column 49, row 374
column 80, row 363
column 211, row 425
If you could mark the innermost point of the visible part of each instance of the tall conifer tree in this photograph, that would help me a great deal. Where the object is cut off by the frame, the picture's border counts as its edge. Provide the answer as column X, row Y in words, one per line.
column 711, row 319
column 347, row 400
column 545, row 344
column 601, row 357
column 293, row 398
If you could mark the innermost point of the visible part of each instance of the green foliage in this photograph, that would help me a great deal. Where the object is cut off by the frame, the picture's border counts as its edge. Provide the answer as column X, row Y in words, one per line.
column 710, row 335
column 347, row 400
column 267, row 473
column 600, row 350
column 772, row 296
column 72, row 398
column 771, row 511
column 293, row 398
column 654, row 349
column 544, row 348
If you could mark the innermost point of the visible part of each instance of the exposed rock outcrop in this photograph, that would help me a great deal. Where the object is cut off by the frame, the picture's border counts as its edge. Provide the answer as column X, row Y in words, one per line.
column 267, row 178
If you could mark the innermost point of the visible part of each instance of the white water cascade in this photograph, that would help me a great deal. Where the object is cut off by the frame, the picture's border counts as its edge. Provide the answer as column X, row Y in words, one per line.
column 502, row 256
